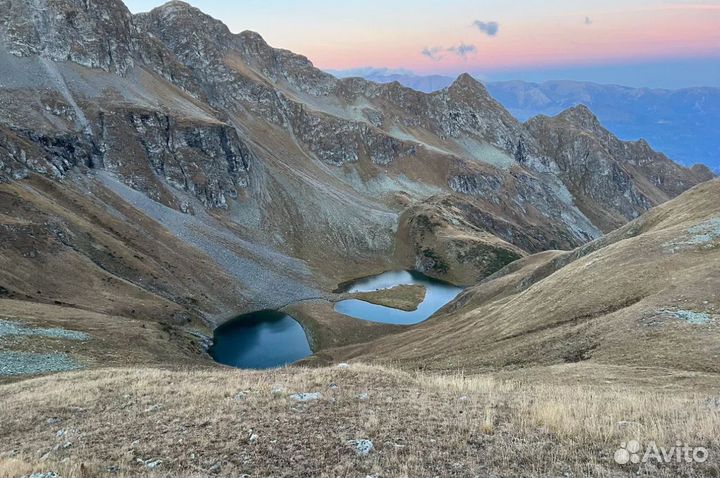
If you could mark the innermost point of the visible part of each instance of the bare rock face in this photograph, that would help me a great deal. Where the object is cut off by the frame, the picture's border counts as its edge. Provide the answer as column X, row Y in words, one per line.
column 208, row 161
column 93, row 33
column 613, row 181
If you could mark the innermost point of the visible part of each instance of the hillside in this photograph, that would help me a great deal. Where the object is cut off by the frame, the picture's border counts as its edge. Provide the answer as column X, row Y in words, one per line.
column 367, row 421
column 641, row 300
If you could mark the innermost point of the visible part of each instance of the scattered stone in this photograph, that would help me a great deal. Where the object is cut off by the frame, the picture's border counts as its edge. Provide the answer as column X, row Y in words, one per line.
column 28, row 363
column 343, row 365
column 253, row 438
column 362, row 447
column 60, row 433
column 714, row 404
column 363, row 396
column 306, row 396
column 689, row 316
column 153, row 464
column 278, row 390
column 332, row 386
column 153, row 408
column 240, row 396
column 49, row 474
column 464, row 398
column 54, row 420
column 215, row 468
column 8, row 328
column 67, row 445
column 623, row 424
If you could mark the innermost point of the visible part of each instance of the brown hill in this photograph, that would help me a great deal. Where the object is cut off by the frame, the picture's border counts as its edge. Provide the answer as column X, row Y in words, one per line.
column 643, row 299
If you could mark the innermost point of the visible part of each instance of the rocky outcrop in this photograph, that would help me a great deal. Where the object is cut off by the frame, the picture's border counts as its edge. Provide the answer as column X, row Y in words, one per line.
column 613, row 181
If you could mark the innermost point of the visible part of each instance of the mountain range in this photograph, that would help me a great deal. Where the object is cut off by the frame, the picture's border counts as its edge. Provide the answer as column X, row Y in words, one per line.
column 161, row 175
column 681, row 123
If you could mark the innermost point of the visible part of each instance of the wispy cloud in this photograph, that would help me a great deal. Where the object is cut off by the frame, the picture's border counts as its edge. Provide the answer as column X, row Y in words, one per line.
column 437, row 53
column 488, row 28
column 434, row 53
column 463, row 50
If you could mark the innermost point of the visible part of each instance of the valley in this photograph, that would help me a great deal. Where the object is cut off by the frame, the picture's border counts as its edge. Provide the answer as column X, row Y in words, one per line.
column 225, row 261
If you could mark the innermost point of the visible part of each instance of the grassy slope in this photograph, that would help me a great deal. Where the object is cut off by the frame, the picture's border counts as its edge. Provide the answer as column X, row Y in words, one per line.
column 605, row 302
column 420, row 425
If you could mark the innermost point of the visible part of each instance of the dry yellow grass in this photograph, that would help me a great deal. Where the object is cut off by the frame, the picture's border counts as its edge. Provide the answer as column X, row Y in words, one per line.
column 202, row 422
column 403, row 297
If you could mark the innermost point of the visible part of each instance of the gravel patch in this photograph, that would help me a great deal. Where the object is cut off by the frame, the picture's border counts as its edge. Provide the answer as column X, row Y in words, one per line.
column 26, row 363
column 268, row 278
column 704, row 235
column 12, row 329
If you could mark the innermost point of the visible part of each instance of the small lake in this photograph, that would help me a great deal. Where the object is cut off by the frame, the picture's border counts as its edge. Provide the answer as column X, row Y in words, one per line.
column 260, row 340
column 437, row 294
column 269, row 338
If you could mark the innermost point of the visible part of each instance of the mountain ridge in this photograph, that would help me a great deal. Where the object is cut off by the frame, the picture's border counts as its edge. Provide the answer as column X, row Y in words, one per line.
column 175, row 111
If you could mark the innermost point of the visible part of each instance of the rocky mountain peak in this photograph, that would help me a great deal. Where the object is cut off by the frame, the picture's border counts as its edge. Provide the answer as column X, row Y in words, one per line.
column 93, row 33
column 702, row 172
column 186, row 28
column 466, row 83
column 581, row 116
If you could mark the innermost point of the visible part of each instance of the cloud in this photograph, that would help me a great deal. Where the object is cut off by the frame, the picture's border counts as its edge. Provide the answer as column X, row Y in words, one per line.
column 437, row 53
column 463, row 50
column 434, row 53
column 488, row 28
column 588, row 21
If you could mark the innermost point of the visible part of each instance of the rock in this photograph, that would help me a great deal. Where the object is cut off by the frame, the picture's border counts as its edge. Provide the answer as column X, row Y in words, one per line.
column 215, row 468
column 622, row 425
column 464, row 398
column 54, row 421
column 278, row 390
column 240, row 396
column 253, row 438
column 363, row 396
column 362, row 447
column 306, row 396
column 48, row 474
column 343, row 365
column 150, row 464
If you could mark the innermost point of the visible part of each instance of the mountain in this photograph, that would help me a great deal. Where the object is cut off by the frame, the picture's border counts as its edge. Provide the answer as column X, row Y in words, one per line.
column 579, row 349
column 424, row 83
column 680, row 123
column 159, row 165
column 222, row 147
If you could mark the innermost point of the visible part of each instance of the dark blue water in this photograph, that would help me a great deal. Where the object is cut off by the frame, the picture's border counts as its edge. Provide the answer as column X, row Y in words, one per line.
column 259, row 340
column 437, row 294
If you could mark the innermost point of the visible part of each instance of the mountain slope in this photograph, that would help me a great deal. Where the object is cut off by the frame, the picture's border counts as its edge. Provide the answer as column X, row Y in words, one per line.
column 644, row 296
column 279, row 180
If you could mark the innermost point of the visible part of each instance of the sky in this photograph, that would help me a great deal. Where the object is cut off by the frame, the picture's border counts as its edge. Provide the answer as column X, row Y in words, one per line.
column 656, row 43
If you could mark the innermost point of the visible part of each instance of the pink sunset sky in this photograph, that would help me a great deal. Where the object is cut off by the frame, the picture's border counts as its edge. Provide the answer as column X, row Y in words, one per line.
column 485, row 37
